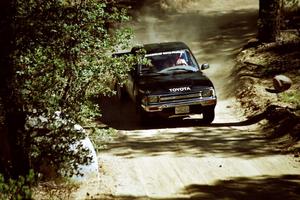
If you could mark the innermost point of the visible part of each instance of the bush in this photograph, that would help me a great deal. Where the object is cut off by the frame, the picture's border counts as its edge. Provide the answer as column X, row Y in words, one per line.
column 62, row 54
column 62, row 59
column 17, row 189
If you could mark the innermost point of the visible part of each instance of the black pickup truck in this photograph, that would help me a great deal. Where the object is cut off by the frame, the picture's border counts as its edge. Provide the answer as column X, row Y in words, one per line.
column 171, row 84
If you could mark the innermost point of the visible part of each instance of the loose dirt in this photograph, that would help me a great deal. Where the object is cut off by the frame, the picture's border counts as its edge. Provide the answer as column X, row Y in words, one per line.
column 186, row 160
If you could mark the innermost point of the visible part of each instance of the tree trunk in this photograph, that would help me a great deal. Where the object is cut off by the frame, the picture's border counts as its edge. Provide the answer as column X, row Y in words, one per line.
column 13, row 160
column 269, row 20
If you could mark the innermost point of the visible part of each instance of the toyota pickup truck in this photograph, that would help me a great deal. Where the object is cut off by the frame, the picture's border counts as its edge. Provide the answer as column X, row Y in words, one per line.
column 171, row 84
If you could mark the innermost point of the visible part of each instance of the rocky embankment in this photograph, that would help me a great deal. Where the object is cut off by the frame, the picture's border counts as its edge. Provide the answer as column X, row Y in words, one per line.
column 257, row 64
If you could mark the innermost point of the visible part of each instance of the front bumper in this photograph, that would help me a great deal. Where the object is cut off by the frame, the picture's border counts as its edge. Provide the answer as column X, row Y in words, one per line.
column 199, row 104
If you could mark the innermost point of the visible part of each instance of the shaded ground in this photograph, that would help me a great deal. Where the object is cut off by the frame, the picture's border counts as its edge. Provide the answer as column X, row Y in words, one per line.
column 197, row 163
column 196, row 142
column 264, row 187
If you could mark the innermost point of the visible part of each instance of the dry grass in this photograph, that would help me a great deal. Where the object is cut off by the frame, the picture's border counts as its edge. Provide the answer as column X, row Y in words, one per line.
column 54, row 190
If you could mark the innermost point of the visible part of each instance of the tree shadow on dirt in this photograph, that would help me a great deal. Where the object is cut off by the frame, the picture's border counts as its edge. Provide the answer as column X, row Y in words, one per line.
column 226, row 139
column 246, row 188
column 265, row 187
column 122, row 116
column 198, row 142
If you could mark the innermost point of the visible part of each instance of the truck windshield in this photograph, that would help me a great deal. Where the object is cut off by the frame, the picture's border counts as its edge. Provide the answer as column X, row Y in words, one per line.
column 169, row 62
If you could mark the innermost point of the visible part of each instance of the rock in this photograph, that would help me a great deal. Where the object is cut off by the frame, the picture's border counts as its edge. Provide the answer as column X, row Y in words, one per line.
column 281, row 83
column 91, row 170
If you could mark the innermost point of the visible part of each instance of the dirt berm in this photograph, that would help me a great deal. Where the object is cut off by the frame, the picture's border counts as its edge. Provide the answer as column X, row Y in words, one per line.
column 257, row 64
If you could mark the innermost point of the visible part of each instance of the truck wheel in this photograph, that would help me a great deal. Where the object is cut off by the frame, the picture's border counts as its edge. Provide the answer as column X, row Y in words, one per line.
column 208, row 116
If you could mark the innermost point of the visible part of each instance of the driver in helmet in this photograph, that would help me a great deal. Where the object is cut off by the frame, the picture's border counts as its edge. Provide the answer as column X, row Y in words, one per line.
column 180, row 60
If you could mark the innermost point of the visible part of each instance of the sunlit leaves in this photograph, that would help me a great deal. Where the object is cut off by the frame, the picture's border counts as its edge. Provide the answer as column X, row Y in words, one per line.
column 17, row 189
column 65, row 50
column 62, row 60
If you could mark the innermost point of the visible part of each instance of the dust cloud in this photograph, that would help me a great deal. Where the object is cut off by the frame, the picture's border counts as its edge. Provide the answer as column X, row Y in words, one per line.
column 215, row 30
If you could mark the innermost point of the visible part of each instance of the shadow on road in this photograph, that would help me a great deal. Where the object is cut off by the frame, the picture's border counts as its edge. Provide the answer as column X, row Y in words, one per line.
column 226, row 139
column 122, row 116
column 195, row 142
column 246, row 188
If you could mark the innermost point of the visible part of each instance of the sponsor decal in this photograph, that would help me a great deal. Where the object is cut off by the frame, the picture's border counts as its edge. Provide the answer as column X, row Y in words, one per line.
column 181, row 89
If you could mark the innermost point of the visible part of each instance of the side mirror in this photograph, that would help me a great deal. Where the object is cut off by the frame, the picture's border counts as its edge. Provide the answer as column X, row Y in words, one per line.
column 204, row 66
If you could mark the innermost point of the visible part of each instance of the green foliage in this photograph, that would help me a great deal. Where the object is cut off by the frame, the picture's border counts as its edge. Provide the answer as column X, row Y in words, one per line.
column 62, row 59
column 17, row 189
column 63, row 51
column 292, row 97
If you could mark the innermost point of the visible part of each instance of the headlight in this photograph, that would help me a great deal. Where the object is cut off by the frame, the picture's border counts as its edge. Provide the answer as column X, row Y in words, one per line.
column 153, row 99
column 209, row 92
column 150, row 99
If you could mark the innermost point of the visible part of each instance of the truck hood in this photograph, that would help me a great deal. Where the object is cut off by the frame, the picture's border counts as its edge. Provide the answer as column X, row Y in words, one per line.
column 183, row 82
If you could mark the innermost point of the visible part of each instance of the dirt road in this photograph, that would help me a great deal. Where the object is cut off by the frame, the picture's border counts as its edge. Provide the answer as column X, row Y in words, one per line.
column 184, row 160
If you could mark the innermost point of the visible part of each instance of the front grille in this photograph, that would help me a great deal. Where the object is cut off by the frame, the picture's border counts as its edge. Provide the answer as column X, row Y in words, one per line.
column 171, row 98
